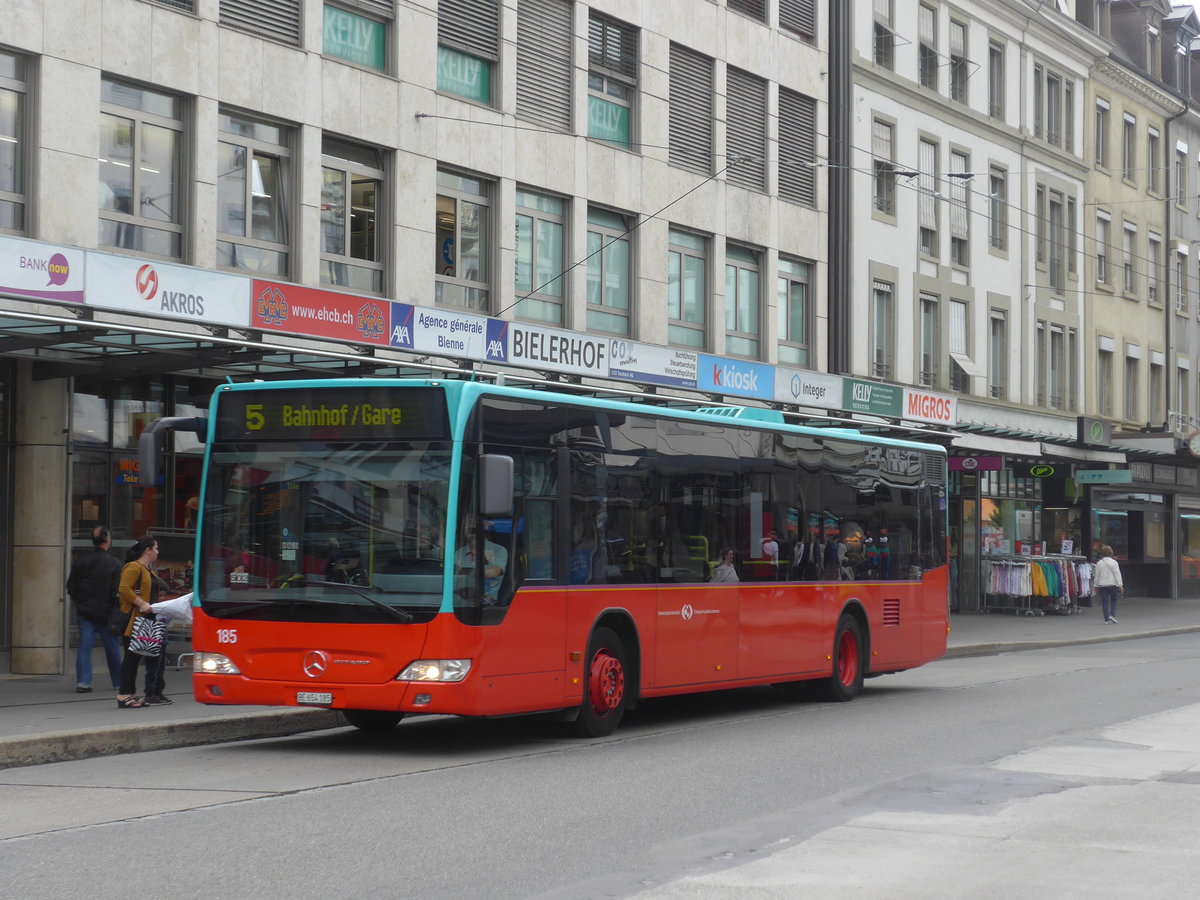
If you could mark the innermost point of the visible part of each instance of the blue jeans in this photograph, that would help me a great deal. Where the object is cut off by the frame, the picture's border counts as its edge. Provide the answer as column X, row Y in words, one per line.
column 83, row 659
column 1108, row 601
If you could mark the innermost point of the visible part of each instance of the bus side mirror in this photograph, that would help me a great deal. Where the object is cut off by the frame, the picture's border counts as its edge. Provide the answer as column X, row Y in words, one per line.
column 150, row 443
column 495, row 485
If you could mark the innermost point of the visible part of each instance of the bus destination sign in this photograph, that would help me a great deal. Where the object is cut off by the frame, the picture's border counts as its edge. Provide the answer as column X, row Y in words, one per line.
column 332, row 414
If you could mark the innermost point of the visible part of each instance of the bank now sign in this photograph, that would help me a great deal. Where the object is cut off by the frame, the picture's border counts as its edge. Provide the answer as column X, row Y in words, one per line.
column 926, row 406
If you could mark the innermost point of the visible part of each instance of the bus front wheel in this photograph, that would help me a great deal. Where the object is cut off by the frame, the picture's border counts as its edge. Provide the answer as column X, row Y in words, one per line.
column 604, row 696
column 373, row 720
column 847, row 679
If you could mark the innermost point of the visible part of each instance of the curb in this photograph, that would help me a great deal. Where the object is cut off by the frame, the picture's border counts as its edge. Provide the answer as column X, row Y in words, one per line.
column 62, row 746
column 999, row 647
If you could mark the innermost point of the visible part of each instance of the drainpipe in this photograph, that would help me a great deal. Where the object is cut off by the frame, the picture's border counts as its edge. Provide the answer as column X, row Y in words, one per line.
column 841, row 208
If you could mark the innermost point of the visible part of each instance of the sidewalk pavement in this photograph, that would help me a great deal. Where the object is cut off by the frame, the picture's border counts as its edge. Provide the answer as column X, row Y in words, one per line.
column 43, row 719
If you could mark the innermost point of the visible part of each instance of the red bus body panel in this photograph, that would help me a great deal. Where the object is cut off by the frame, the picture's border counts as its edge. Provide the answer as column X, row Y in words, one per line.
column 688, row 638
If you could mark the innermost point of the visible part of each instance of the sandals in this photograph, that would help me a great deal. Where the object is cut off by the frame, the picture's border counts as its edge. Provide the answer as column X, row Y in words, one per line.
column 133, row 702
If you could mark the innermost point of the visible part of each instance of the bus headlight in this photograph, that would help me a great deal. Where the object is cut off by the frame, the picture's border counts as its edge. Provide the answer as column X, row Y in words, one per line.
column 214, row 664
column 444, row 670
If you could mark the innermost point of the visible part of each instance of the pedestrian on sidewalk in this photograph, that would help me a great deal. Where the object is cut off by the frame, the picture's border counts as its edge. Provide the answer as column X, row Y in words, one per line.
column 92, row 586
column 1108, row 583
column 137, row 582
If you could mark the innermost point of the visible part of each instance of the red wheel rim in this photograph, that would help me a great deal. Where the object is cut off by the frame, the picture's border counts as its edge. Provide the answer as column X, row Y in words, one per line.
column 606, row 682
column 847, row 661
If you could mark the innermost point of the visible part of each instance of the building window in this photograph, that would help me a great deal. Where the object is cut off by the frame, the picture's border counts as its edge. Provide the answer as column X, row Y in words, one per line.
column 141, row 187
column 1153, row 267
column 756, row 9
column 882, row 330
column 800, row 18
column 797, row 147
column 1072, row 231
column 612, row 79
column 997, row 354
column 539, row 258
column 687, row 289
column 13, row 141
column 1039, row 363
column 1131, row 383
column 1181, row 303
column 960, row 348
column 996, row 80
column 278, row 20
column 1181, row 393
column 746, row 136
column 544, row 36
column 960, row 213
column 1152, row 161
column 463, row 242
column 928, row 349
column 885, row 37
column 743, row 297
column 1039, row 101
column 351, row 197
column 609, row 282
column 1072, row 369
column 1101, row 135
column 1039, row 214
column 468, row 48
column 1069, row 116
column 883, row 151
column 998, row 208
column 792, row 299
column 1057, row 367
column 1057, row 241
column 927, row 73
column 1128, row 147
column 927, row 182
column 1128, row 240
column 1104, row 382
column 1054, row 107
column 1181, row 177
column 253, row 182
column 958, row 62
column 1102, row 249
column 690, row 136
column 360, row 39
column 1157, row 416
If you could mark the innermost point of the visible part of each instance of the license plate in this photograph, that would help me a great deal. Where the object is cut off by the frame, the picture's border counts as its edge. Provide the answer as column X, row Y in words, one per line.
column 313, row 698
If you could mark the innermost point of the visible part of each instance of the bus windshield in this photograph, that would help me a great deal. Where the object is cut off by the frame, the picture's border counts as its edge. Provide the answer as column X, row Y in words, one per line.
column 321, row 532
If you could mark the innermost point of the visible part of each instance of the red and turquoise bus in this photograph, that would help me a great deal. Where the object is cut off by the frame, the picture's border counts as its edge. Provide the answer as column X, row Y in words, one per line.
column 391, row 546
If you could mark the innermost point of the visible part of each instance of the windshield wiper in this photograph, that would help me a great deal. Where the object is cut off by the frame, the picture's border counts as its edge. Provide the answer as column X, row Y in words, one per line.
column 399, row 614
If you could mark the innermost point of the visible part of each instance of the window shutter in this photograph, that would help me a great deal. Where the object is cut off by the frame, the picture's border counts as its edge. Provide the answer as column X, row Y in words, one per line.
column 925, row 25
column 928, row 181
column 958, row 327
column 470, row 25
column 958, row 197
column 958, row 38
column 797, row 147
column 746, row 135
column 185, row 5
column 612, row 45
column 691, row 110
column 276, row 20
column 883, row 11
column 881, row 141
column 379, row 9
column 544, row 36
column 800, row 16
column 756, row 8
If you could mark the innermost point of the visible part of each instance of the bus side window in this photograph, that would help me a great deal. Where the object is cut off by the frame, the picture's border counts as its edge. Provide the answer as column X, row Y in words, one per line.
column 537, row 541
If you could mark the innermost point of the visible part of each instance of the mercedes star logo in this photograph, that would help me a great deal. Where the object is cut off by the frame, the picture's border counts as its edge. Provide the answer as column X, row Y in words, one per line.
column 315, row 664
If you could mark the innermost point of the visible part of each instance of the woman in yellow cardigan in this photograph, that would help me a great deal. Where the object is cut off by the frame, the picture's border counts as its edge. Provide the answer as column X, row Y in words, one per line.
column 136, row 582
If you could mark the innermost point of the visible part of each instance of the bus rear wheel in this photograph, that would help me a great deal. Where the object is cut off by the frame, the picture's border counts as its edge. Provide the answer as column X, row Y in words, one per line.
column 375, row 721
column 604, row 696
column 847, row 679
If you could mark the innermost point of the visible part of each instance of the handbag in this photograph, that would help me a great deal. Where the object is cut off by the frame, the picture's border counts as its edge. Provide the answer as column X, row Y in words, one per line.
column 149, row 636
column 117, row 621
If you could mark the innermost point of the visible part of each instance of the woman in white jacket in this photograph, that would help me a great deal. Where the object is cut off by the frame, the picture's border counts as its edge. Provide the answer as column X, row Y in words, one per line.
column 1108, row 584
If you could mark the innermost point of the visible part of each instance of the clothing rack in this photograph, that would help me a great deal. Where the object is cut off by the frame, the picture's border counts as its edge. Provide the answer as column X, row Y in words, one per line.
column 1036, row 585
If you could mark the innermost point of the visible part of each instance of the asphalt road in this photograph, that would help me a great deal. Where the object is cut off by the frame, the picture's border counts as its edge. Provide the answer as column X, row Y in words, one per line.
column 691, row 798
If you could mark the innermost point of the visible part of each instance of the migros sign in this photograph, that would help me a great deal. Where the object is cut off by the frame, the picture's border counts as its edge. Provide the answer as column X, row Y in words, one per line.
column 923, row 406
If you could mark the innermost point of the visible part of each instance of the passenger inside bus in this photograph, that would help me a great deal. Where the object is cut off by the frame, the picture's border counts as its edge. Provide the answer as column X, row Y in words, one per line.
column 495, row 564
column 345, row 567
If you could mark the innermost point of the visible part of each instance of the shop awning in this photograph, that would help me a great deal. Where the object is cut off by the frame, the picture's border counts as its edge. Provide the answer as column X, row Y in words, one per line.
column 1088, row 454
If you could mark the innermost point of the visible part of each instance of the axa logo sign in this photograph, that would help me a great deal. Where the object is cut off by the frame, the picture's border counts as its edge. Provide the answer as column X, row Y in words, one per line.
column 271, row 306
column 496, row 349
column 402, row 326
column 730, row 376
